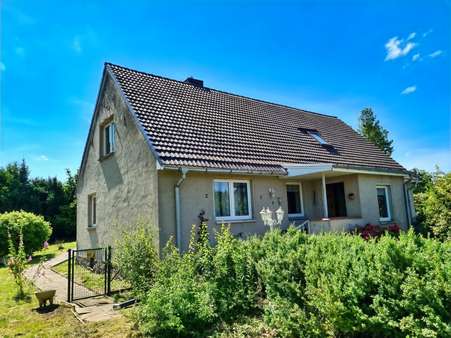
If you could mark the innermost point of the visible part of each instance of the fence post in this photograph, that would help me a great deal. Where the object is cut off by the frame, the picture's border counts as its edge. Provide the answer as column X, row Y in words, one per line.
column 72, row 264
column 105, row 271
column 109, row 271
column 68, row 274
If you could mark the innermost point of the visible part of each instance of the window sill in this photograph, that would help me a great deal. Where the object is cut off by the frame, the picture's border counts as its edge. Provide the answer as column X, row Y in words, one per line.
column 91, row 227
column 233, row 221
column 105, row 157
column 296, row 216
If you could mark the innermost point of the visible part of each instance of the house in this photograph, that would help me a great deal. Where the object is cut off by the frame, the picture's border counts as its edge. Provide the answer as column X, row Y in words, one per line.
column 170, row 153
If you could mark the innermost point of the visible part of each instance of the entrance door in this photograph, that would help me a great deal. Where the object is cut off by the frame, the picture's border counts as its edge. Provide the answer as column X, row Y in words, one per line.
column 336, row 202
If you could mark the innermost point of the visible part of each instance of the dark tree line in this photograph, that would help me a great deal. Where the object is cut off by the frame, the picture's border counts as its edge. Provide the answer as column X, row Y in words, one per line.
column 49, row 197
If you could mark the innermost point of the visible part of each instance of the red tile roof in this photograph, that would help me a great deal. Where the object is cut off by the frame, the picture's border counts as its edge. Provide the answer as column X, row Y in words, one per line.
column 203, row 127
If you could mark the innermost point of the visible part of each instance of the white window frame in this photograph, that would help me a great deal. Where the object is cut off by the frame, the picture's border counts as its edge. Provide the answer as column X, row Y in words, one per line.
column 111, row 136
column 92, row 210
column 232, row 216
column 387, row 201
column 301, row 200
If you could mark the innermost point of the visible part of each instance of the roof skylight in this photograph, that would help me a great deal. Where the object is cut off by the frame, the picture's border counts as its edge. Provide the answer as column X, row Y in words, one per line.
column 317, row 137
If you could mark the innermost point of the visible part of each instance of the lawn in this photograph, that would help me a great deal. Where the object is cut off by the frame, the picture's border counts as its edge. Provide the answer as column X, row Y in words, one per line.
column 20, row 317
column 52, row 251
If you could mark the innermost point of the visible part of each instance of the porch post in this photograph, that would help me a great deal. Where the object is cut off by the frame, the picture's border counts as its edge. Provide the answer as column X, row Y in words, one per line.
column 326, row 212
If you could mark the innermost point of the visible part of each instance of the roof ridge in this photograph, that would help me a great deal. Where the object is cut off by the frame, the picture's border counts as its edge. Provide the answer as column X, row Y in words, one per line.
column 223, row 91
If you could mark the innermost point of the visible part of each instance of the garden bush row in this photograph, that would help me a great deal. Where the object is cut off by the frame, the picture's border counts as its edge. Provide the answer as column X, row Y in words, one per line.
column 303, row 285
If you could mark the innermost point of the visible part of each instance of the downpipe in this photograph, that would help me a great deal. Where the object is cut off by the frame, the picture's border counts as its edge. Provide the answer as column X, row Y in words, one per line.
column 178, row 221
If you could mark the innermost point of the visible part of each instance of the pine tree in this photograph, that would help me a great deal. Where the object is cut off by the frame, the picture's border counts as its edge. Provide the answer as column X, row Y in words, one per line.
column 369, row 127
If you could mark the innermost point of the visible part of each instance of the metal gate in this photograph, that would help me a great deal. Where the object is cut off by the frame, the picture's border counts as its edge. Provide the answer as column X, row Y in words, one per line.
column 91, row 273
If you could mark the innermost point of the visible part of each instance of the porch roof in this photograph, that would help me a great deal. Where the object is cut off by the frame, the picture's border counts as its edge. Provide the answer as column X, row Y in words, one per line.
column 317, row 170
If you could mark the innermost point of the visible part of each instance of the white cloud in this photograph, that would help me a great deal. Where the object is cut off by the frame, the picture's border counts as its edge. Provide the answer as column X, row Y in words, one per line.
column 43, row 158
column 411, row 36
column 416, row 57
column 427, row 32
column 2, row 67
column 436, row 53
column 76, row 44
column 409, row 90
column 396, row 48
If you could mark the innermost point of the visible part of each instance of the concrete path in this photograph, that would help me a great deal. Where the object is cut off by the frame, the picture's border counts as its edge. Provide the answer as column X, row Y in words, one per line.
column 89, row 310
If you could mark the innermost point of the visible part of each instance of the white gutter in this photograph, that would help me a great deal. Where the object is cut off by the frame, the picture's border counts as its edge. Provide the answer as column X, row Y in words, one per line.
column 225, row 171
column 178, row 222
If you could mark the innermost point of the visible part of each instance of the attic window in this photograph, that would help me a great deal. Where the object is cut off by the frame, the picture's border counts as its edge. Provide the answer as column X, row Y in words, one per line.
column 317, row 137
column 315, row 134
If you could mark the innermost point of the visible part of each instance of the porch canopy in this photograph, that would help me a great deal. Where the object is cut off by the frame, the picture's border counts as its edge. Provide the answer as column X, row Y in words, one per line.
column 321, row 170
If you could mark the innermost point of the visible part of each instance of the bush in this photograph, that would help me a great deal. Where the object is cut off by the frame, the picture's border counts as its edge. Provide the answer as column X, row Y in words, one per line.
column 341, row 285
column 181, row 301
column 34, row 228
column 237, row 286
column 303, row 285
column 137, row 258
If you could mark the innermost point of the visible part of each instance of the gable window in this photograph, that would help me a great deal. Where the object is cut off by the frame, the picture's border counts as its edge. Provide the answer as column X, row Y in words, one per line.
column 383, row 203
column 108, row 139
column 294, row 198
column 232, row 199
column 92, row 210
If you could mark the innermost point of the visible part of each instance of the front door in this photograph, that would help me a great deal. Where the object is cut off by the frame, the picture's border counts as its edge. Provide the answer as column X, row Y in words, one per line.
column 336, row 202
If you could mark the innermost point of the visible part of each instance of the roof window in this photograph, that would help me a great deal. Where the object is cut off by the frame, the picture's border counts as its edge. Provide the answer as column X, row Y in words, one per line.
column 318, row 137
column 315, row 134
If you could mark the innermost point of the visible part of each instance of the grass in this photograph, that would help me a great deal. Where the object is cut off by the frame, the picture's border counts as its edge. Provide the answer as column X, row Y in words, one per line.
column 52, row 251
column 21, row 318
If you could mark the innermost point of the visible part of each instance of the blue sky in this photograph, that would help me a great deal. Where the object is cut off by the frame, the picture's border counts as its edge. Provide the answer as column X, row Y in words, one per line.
column 334, row 57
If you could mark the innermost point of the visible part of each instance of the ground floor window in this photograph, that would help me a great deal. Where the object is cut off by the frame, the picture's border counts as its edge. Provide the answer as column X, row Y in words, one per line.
column 232, row 199
column 294, row 199
column 384, row 203
column 92, row 210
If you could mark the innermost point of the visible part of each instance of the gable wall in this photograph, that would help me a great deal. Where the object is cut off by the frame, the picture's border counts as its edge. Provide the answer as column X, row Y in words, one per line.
column 125, row 183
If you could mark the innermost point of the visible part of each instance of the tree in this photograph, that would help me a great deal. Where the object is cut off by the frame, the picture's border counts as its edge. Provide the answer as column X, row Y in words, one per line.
column 369, row 127
column 434, row 206
column 49, row 197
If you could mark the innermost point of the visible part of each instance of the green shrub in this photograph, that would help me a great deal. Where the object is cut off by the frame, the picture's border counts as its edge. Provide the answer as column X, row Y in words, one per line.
column 34, row 228
column 137, row 258
column 303, row 285
column 180, row 303
column 340, row 285
column 237, row 286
